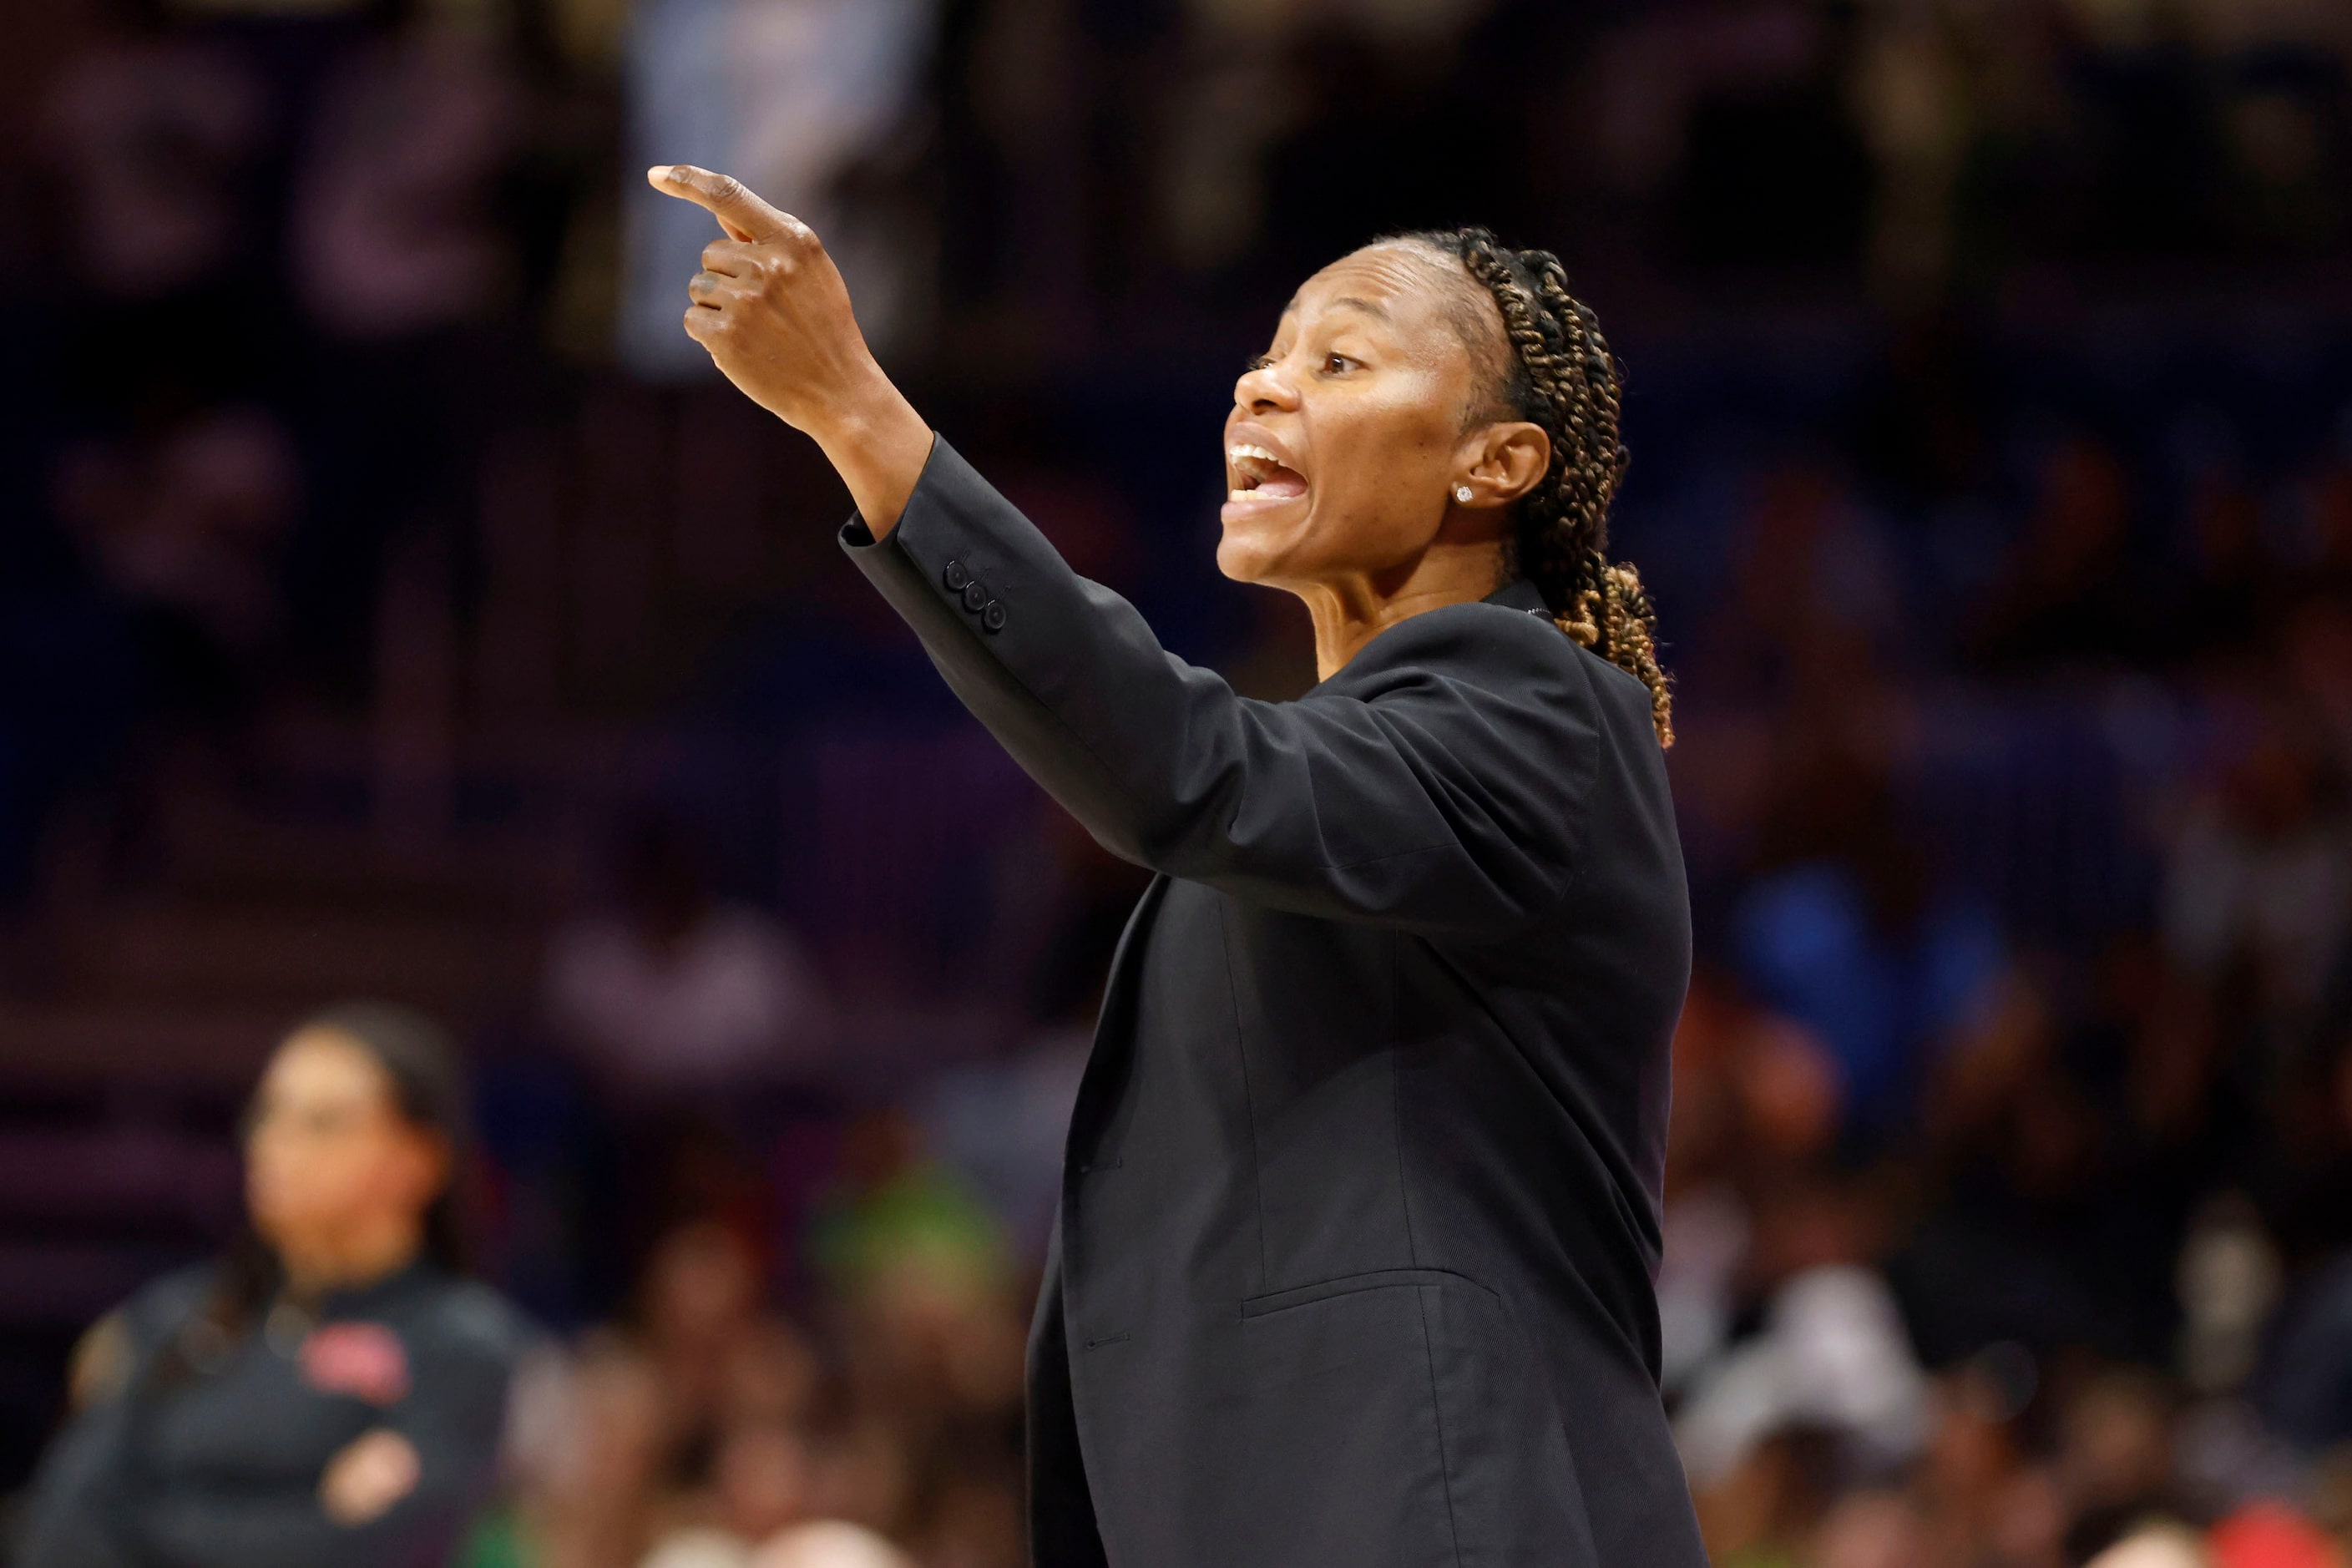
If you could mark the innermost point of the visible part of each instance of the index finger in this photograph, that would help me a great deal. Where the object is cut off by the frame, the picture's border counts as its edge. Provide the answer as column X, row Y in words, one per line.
column 741, row 213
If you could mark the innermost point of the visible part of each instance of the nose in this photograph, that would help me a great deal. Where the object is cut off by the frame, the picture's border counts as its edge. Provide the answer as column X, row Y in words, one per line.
column 1265, row 390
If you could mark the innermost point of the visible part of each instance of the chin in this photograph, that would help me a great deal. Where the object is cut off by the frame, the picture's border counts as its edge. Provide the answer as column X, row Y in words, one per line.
column 1246, row 555
column 1237, row 559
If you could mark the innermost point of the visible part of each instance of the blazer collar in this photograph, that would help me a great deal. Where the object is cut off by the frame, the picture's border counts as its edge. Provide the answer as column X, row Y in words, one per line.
column 1519, row 593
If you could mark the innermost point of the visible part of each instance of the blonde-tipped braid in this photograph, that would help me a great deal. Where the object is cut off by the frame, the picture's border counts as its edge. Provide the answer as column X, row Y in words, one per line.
column 1558, row 374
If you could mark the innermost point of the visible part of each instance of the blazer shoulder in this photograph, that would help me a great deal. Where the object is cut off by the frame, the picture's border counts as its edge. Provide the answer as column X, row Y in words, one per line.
column 1616, row 690
column 162, row 1306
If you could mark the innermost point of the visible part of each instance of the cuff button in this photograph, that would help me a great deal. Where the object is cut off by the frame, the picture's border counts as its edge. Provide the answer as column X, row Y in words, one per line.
column 993, row 617
column 974, row 596
column 955, row 576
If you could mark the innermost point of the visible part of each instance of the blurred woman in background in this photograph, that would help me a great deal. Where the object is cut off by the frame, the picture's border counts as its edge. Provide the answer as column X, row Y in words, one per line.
column 333, row 1389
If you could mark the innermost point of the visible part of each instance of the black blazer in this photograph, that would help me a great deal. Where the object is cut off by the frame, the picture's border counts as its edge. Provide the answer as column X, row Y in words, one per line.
column 1361, row 1210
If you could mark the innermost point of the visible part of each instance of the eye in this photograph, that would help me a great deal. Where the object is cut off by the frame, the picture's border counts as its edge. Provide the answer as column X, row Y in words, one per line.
column 1256, row 362
column 1340, row 364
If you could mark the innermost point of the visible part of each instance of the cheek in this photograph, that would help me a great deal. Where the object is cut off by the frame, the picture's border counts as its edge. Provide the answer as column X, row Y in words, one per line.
column 1387, row 463
column 273, row 1173
column 319, row 1180
column 1390, row 501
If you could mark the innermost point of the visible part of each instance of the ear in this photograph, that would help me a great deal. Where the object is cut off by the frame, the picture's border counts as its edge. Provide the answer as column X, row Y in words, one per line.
column 1502, row 462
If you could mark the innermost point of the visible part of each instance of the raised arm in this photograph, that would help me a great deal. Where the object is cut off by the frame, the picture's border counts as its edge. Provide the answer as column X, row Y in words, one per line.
column 1436, row 784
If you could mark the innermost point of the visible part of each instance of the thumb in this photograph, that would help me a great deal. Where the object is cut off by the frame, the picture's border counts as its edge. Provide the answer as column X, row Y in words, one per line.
column 741, row 214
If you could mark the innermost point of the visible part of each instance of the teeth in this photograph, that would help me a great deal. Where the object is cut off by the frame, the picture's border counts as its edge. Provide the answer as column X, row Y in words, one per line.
column 1256, row 466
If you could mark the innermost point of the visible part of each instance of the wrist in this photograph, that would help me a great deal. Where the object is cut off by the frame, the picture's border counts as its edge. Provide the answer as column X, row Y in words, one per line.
column 878, row 444
column 867, row 409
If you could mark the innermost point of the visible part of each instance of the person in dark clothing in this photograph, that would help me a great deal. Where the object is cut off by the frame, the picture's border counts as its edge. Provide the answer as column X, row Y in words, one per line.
column 333, row 1390
column 1356, row 1254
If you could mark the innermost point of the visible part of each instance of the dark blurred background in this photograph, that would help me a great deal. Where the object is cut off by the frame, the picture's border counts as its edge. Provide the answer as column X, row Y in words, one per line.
column 392, row 602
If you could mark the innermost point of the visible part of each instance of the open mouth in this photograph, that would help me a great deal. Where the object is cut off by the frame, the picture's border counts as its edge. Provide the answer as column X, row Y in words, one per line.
column 1262, row 475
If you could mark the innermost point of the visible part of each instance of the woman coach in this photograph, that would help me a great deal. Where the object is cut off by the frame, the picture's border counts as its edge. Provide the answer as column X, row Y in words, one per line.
column 1360, row 1215
column 332, row 1392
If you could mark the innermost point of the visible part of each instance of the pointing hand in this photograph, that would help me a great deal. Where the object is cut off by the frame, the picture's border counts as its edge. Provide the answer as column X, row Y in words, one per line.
column 771, row 307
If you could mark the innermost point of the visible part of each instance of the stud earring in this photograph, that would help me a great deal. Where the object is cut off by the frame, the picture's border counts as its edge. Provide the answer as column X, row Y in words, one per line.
column 1462, row 494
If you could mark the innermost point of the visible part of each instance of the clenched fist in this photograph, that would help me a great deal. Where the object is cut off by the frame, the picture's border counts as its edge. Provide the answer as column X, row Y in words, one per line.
column 770, row 306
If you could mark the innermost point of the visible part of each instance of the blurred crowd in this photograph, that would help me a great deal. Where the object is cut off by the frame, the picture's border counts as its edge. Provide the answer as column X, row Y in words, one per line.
column 1992, row 409
column 705, row 1429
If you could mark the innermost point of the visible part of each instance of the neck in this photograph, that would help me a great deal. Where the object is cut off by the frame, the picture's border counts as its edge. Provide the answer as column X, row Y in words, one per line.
column 1350, row 609
column 351, row 1256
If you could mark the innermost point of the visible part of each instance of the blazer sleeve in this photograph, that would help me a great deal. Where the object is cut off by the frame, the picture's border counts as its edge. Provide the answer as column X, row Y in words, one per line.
column 1438, row 784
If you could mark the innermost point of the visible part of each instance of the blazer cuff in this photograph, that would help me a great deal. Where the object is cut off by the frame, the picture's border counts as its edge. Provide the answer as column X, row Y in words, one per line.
column 935, row 551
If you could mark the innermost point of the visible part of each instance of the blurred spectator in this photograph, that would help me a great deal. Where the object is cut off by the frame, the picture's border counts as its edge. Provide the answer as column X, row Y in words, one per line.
column 590, row 1486
column 707, row 1429
column 760, row 1486
column 392, row 226
column 1002, row 1126
column 788, row 95
column 2316, row 642
column 897, row 1211
column 2057, row 1219
column 830, row 1545
column 2072, row 589
column 157, row 131
column 1831, row 1360
column 184, row 521
column 1849, row 930
column 674, row 991
column 1816, row 591
column 2269, row 1535
column 2305, row 1391
column 333, row 1388
column 1870, row 1529
column 2258, row 896
column 2114, row 1458
column 684, row 1426
column 2154, row 1546
column 1756, row 1102
column 933, row 1334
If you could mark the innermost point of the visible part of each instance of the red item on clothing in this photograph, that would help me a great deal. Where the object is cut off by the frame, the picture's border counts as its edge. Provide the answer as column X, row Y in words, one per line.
column 365, row 1360
column 2270, row 1534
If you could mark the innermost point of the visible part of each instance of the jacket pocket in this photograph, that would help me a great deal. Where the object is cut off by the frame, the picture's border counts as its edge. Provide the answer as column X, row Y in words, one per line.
column 1331, row 1456
column 1510, row 1474
column 1401, row 1417
column 1349, row 1284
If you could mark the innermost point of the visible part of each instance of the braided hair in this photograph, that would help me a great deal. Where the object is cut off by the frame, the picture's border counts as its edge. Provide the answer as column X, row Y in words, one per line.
column 1556, row 372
